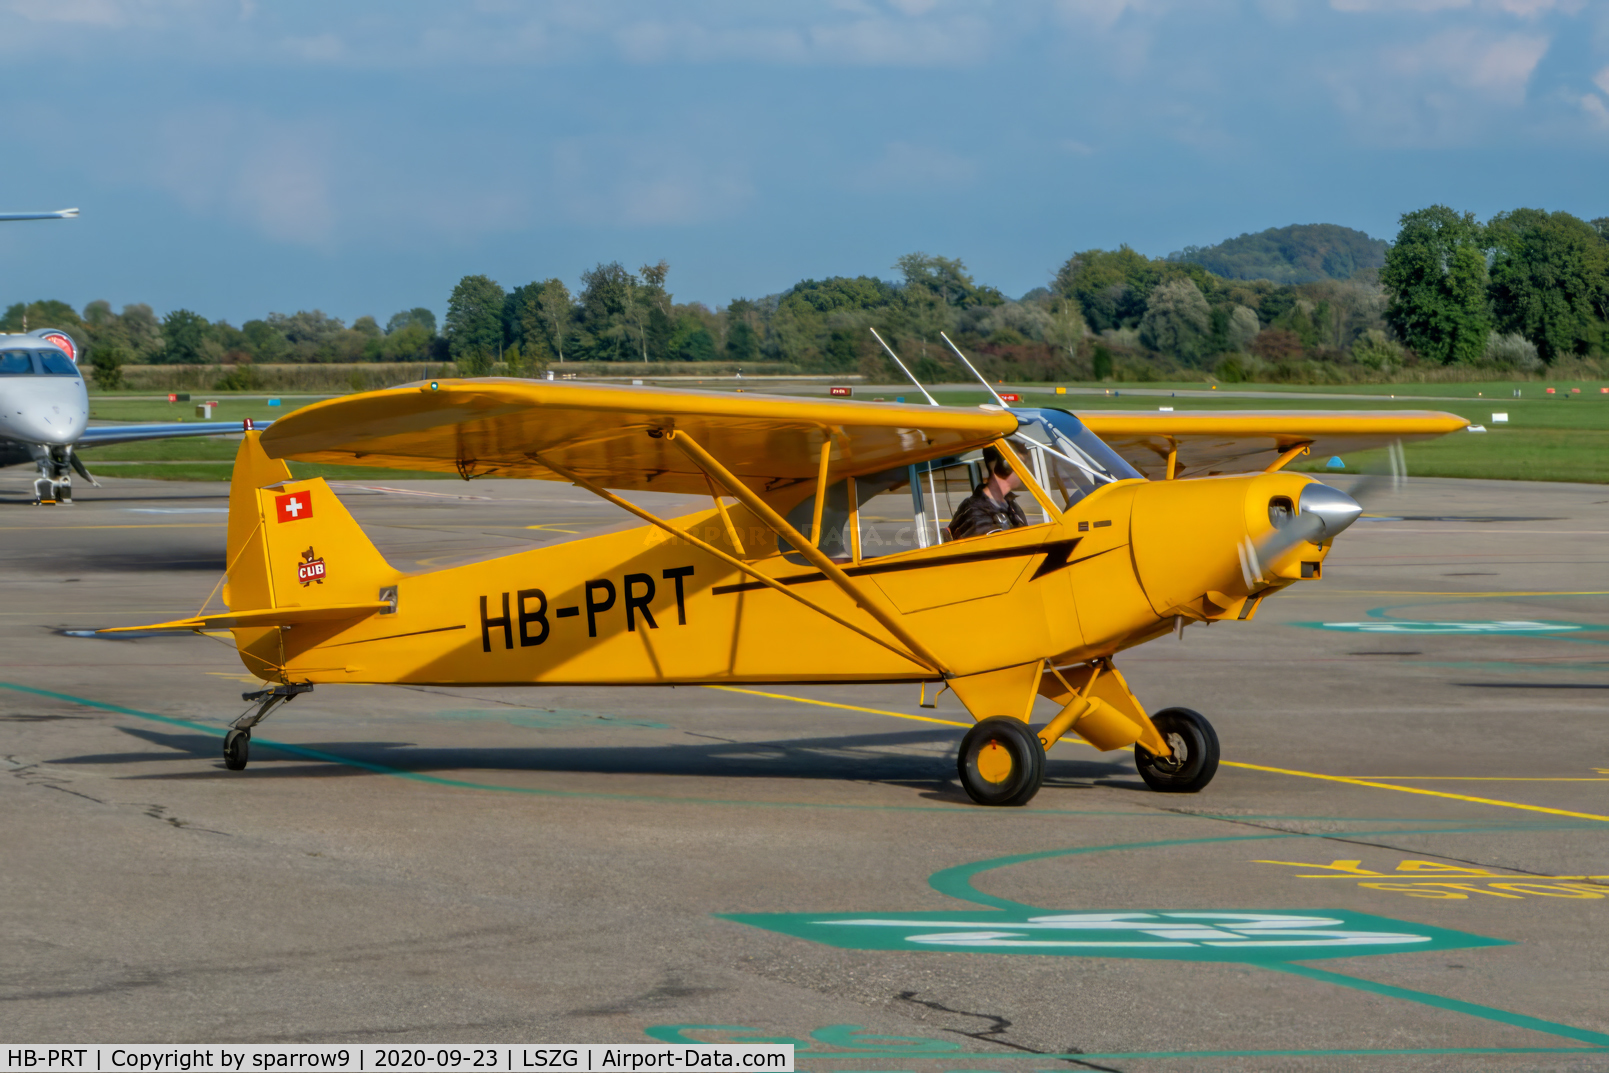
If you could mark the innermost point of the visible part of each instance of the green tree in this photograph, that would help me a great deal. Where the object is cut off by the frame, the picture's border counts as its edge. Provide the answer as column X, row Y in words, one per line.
column 1549, row 280
column 742, row 339
column 557, row 311
column 1436, row 276
column 418, row 315
column 475, row 324
column 946, row 279
column 1177, row 321
column 606, row 298
column 185, row 334
column 1242, row 328
column 107, row 364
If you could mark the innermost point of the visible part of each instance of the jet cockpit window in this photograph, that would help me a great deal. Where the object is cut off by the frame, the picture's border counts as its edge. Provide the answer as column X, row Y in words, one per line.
column 16, row 363
column 56, row 363
column 1067, row 459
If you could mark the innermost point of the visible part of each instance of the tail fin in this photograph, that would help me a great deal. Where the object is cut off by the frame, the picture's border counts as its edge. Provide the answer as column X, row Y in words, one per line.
column 246, row 583
column 293, row 543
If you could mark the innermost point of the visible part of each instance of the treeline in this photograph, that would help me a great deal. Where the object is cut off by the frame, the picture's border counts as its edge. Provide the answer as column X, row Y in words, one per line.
column 1526, row 290
column 111, row 340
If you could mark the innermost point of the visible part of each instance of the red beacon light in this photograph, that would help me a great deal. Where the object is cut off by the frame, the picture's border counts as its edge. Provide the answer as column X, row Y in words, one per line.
column 60, row 340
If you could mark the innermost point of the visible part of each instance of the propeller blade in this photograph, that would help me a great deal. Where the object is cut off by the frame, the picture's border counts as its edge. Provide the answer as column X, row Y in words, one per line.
column 1322, row 513
column 1383, row 482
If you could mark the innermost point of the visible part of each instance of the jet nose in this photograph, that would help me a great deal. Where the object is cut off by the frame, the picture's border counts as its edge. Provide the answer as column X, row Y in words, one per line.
column 1333, row 509
column 46, row 410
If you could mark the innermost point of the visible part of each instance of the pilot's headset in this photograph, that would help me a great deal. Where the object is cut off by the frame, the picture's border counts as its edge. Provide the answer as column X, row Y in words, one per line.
column 995, row 463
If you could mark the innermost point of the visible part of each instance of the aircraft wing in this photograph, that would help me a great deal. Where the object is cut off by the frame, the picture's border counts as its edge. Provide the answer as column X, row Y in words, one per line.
column 612, row 434
column 1244, row 441
column 102, row 435
column 59, row 214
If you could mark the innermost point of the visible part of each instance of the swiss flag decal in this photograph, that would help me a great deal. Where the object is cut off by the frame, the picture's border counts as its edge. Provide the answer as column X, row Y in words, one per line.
column 294, row 507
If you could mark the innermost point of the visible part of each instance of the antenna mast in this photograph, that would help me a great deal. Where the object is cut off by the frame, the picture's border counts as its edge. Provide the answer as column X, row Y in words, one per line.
column 906, row 371
column 975, row 372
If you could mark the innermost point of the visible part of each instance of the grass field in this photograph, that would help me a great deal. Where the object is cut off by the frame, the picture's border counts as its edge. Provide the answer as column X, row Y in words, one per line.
column 1559, row 437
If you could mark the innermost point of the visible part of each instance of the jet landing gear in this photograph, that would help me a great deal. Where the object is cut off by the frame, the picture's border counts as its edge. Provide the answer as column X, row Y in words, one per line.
column 237, row 743
column 54, row 485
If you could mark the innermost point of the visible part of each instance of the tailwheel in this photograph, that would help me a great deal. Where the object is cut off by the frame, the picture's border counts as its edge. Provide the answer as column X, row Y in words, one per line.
column 1001, row 762
column 236, row 749
column 1195, row 753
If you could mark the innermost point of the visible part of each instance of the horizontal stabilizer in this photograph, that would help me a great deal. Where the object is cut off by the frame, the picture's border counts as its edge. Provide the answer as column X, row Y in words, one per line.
column 269, row 616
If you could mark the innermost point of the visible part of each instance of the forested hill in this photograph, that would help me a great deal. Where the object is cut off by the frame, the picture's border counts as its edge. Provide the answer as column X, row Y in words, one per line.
column 1300, row 253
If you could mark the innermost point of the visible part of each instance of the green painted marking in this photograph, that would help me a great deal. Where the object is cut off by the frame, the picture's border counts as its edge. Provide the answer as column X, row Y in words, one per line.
column 1501, row 628
column 957, row 881
column 1246, row 936
column 1490, row 1013
column 863, row 1045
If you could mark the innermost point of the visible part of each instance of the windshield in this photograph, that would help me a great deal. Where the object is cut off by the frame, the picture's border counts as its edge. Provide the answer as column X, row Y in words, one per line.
column 56, row 363
column 51, row 362
column 1068, row 460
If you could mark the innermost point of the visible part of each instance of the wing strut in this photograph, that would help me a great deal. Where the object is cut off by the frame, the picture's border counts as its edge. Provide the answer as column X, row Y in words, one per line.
column 903, row 369
column 975, row 372
column 745, row 495
column 765, row 579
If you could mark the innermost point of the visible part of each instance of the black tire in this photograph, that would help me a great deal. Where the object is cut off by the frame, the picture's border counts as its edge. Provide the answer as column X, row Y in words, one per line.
column 1001, row 762
column 1195, row 753
column 236, row 749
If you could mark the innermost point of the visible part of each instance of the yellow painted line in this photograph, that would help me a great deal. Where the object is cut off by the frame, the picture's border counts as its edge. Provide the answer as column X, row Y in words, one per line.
column 551, row 527
column 1226, row 763
column 157, row 525
column 845, row 707
column 1417, row 790
column 1473, row 778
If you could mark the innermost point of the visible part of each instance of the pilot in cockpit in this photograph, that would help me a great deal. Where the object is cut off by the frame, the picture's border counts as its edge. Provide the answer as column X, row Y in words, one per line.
column 991, row 508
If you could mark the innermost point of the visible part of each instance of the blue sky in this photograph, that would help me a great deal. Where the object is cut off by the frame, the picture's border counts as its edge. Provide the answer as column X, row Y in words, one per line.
column 359, row 156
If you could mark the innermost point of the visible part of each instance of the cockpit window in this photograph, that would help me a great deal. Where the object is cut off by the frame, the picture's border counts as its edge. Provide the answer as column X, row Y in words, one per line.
column 51, row 362
column 56, row 363
column 1068, row 460
column 16, row 363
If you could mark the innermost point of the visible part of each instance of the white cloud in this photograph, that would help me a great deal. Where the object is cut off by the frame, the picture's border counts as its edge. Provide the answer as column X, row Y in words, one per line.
column 865, row 39
column 1593, row 106
column 908, row 166
column 321, row 48
column 1601, row 80
column 625, row 181
column 86, row 12
column 1497, row 66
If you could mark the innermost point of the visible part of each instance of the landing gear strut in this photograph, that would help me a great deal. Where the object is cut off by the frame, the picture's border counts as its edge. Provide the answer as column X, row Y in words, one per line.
column 237, row 743
column 54, row 485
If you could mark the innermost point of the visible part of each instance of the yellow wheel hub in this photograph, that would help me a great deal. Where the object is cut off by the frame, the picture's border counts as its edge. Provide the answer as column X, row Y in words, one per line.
column 994, row 762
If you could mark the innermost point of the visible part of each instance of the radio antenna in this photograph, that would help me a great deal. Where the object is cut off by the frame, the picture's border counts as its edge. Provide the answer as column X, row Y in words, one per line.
column 906, row 371
column 975, row 372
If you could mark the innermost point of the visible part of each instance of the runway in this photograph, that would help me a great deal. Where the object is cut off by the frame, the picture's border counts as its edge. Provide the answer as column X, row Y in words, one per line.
column 1403, row 863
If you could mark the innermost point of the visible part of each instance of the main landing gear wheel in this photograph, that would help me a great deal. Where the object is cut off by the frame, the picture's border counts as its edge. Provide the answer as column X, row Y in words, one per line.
column 1001, row 762
column 1195, row 753
column 236, row 749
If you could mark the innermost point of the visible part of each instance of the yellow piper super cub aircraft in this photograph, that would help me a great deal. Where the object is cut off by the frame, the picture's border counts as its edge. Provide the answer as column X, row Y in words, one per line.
column 824, row 555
